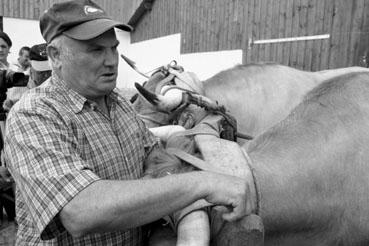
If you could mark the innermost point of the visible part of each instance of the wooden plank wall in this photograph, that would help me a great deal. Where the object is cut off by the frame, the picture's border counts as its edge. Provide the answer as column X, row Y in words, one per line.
column 211, row 25
column 31, row 9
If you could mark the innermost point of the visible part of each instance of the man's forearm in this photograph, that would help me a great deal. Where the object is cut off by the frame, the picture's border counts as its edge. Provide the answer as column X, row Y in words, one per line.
column 111, row 205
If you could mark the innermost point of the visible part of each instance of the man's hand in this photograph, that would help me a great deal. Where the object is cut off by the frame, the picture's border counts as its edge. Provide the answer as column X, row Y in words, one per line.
column 231, row 192
column 8, row 104
column 5, row 176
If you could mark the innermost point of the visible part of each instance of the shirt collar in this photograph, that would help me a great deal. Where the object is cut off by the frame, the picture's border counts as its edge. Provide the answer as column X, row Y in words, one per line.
column 77, row 101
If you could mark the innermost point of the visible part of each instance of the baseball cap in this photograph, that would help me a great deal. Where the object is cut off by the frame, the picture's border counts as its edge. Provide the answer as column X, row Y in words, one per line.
column 79, row 19
column 38, row 57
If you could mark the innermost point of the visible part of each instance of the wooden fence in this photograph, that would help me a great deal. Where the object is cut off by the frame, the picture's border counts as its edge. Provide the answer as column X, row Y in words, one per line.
column 213, row 25
column 121, row 10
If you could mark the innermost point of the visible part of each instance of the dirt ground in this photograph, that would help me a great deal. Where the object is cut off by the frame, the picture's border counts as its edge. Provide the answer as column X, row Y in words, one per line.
column 7, row 232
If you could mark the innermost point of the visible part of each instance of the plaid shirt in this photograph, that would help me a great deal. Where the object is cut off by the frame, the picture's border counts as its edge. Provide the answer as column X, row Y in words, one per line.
column 58, row 143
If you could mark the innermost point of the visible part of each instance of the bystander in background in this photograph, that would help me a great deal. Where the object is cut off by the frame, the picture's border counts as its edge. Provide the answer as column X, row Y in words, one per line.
column 5, row 45
column 6, row 187
column 22, row 64
column 40, row 68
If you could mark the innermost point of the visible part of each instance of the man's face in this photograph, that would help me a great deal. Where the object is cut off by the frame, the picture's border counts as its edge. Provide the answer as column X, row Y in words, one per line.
column 91, row 67
column 4, row 50
column 24, row 58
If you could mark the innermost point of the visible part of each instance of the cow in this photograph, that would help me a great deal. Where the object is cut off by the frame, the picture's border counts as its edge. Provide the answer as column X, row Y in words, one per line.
column 312, row 168
column 258, row 95
column 255, row 86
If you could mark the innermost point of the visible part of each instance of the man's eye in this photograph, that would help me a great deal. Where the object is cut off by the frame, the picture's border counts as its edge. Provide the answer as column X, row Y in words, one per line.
column 97, row 49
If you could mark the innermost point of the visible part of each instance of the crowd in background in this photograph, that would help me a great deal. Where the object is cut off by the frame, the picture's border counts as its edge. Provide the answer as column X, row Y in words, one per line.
column 30, row 70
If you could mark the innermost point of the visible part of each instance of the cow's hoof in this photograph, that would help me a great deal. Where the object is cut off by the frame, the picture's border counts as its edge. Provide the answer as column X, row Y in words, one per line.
column 248, row 231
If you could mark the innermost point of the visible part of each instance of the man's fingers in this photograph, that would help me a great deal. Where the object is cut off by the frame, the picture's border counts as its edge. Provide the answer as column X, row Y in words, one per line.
column 240, row 208
column 4, row 174
column 232, row 216
column 234, row 213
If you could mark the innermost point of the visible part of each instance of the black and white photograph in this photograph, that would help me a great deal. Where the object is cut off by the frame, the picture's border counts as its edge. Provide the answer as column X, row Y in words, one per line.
column 184, row 122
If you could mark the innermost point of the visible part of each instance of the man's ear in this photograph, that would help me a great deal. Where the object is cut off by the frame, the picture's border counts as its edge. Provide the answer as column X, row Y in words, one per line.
column 54, row 56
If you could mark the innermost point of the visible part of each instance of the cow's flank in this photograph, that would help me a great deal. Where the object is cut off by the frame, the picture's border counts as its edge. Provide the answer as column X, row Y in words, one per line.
column 313, row 168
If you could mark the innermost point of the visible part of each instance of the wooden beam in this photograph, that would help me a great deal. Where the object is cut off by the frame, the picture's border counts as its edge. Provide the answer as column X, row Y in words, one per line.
column 146, row 5
column 291, row 39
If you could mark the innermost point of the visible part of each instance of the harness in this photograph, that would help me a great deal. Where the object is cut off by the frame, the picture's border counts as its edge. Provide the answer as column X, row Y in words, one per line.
column 192, row 87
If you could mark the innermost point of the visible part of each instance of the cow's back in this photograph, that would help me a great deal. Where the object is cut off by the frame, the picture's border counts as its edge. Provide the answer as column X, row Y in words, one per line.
column 259, row 95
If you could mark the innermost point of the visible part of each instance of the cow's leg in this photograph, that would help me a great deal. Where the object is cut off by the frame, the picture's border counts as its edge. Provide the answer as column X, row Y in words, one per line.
column 194, row 229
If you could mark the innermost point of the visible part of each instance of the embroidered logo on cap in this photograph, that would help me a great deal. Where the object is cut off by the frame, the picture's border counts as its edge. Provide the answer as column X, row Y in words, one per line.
column 42, row 53
column 92, row 10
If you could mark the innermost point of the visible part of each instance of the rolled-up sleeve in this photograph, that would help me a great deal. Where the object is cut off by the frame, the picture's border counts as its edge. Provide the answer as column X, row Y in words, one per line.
column 43, row 157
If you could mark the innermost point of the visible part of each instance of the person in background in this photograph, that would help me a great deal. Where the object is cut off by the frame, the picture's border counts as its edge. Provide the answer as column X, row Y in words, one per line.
column 77, row 149
column 40, row 67
column 23, row 62
column 21, row 65
column 6, row 181
column 39, row 70
column 5, row 45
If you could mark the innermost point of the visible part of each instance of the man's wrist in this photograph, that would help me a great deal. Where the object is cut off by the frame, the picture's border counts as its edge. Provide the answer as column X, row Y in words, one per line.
column 201, row 184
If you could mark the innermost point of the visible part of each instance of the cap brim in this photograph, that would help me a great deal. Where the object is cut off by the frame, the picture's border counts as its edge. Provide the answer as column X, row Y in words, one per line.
column 94, row 28
column 40, row 65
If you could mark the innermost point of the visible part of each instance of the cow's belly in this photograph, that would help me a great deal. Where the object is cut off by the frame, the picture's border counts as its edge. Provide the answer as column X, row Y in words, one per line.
column 300, row 239
column 311, row 239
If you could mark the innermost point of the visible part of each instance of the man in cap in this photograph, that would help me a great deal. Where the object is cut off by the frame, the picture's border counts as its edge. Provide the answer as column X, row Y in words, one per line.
column 39, row 71
column 76, row 148
column 40, row 67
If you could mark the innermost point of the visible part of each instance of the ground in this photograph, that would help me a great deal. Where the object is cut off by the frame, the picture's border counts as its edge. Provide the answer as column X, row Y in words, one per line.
column 7, row 232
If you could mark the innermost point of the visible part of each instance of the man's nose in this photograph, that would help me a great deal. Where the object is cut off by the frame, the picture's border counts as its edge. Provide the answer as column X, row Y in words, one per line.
column 111, row 57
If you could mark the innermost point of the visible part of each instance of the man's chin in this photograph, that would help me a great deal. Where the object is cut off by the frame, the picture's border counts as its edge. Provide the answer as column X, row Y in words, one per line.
column 108, row 85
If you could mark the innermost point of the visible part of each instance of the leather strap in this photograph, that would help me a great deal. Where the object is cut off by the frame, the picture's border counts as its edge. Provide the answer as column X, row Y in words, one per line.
column 203, row 165
column 256, row 185
column 193, row 160
column 165, row 81
column 201, row 129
